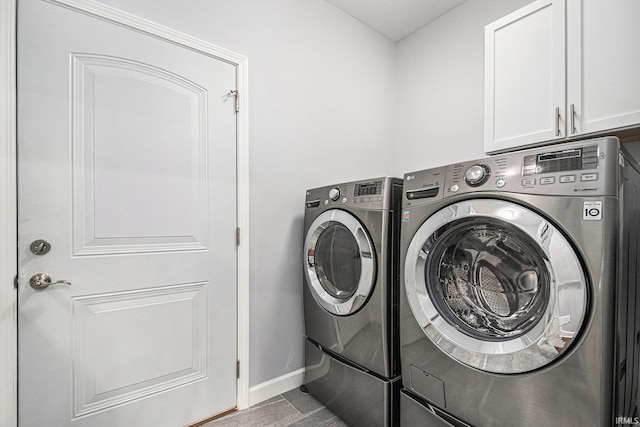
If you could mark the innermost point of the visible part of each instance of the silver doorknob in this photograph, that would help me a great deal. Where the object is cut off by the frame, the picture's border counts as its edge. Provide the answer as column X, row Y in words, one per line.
column 43, row 281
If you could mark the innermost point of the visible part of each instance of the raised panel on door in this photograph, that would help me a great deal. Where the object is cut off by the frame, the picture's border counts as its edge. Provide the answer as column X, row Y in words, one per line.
column 128, row 196
column 127, row 166
column 524, row 77
column 113, row 368
column 603, row 60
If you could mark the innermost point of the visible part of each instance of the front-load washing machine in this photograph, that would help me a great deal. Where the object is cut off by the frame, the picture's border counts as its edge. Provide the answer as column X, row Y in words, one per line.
column 519, row 278
column 351, row 299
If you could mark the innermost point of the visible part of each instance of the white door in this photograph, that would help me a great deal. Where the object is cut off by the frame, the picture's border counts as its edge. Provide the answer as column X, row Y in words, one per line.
column 127, row 168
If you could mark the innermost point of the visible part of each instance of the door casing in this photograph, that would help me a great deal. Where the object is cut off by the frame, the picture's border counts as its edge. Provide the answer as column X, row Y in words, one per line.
column 8, row 217
column 8, row 186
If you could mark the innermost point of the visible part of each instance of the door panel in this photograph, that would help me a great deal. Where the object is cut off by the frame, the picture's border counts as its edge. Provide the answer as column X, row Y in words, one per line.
column 115, row 145
column 115, row 158
column 127, row 148
column 114, row 367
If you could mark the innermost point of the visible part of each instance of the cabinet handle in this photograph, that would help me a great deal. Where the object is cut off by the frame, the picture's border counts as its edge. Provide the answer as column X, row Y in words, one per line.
column 557, row 119
column 572, row 113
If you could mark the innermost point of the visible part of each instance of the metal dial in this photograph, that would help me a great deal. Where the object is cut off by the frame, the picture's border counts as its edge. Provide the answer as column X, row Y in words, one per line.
column 334, row 194
column 477, row 175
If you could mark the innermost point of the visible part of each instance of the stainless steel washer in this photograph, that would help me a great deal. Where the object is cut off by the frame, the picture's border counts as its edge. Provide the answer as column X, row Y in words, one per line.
column 351, row 299
column 518, row 287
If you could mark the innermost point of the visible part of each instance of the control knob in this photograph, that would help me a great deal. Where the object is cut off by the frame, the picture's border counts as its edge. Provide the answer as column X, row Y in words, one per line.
column 334, row 194
column 477, row 175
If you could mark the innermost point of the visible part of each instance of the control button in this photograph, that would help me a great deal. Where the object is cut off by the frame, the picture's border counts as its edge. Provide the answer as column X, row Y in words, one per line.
column 477, row 175
column 501, row 183
column 344, row 200
column 378, row 199
column 326, row 202
column 565, row 179
column 547, row 180
column 334, row 194
column 589, row 177
column 528, row 182
column 455, row 188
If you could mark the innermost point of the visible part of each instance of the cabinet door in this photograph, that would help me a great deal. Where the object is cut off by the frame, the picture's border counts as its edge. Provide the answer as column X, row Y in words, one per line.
column 525, row 77
column 603, row 60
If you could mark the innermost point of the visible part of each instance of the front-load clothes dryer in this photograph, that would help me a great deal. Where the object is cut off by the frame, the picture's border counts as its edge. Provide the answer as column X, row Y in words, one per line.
column 351, row 292
column 519, row 278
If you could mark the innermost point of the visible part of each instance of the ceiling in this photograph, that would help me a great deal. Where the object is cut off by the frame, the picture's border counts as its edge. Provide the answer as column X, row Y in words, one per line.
column 396, row 19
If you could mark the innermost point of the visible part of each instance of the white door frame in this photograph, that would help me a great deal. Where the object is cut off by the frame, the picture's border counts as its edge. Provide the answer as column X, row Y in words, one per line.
column 8, row 218
column 8, row 186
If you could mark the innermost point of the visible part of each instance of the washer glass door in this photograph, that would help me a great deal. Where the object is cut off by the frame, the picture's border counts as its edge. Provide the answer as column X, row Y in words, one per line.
column 339, row 262
column 495, row 285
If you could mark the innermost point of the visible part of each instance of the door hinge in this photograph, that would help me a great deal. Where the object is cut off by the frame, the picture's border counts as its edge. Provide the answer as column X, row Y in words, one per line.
column 237, row 369
column 15, row 282
column 234, row 92
column 237, row 236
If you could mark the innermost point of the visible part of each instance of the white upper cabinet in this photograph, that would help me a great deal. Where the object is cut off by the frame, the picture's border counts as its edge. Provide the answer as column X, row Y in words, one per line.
column 524, row 76
column 603, row 67
column 558, row 69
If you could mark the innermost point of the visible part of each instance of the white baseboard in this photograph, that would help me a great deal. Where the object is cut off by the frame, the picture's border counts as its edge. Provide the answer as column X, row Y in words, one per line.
column 268, row 389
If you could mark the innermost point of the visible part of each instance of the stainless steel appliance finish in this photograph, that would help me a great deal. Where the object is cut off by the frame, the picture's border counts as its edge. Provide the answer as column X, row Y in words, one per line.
column 359, row 398
column 416, row 412
column 351, row 292
column 518, row 286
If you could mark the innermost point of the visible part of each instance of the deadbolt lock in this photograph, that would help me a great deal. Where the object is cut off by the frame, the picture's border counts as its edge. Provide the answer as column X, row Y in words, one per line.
column 40, row 247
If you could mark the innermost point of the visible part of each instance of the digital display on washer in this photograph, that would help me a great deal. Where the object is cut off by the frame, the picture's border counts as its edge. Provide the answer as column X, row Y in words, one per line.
column 559, row 155
column 561, row 161
column 368, row 189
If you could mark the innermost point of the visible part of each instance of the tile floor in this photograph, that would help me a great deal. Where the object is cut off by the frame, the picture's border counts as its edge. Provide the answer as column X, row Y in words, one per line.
column 293, row 408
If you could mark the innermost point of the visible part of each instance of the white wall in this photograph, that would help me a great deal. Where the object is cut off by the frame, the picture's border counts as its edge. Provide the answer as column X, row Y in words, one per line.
column 441, row 87
column 322, row 104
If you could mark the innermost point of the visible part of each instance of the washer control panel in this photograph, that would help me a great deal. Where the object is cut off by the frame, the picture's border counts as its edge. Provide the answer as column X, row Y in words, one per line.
column 570, row 169
column 574, row 159
column 368, row 194
column 567, row 166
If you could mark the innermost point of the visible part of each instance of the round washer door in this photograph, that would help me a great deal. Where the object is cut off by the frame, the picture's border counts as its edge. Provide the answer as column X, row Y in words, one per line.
column 339, row 262
column 495, row 286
